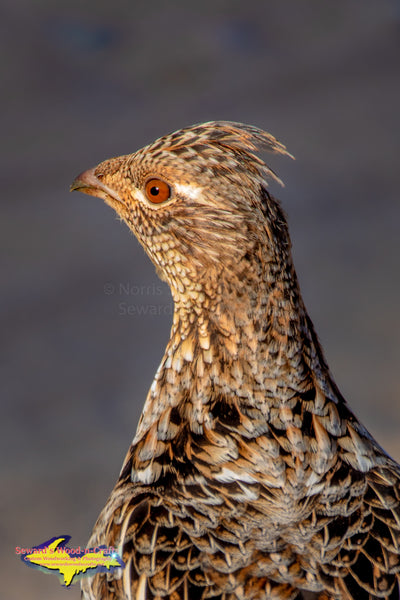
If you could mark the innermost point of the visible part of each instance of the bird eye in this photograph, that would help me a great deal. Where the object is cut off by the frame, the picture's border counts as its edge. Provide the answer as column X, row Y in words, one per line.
column 157, row 191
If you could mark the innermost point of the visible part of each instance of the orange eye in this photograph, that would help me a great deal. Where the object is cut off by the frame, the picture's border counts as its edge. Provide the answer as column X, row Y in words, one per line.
column 157, row 191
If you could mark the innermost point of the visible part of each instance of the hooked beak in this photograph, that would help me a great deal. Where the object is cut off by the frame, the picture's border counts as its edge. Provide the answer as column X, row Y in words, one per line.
column 88, row 183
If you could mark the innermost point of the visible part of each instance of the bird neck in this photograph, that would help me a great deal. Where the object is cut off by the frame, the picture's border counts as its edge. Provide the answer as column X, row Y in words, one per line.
column 248, row 340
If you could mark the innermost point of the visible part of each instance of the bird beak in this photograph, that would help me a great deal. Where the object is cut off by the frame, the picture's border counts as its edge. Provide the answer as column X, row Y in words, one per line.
column 88, row 183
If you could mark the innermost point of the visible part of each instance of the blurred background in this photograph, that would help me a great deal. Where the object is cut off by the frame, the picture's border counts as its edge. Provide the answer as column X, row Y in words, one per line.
column 84, row 317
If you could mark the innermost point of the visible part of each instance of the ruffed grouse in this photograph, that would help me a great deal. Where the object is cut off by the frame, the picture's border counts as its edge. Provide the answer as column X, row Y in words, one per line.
column 249, row 477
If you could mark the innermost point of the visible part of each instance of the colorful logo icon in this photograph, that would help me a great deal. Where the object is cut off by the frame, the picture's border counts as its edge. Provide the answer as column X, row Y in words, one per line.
column 70, row 564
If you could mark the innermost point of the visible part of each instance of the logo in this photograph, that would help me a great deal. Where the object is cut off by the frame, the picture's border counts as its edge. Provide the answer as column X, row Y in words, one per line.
column 69, row 564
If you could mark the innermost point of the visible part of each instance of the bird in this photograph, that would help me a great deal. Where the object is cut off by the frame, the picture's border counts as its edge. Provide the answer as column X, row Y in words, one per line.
column 249, row 476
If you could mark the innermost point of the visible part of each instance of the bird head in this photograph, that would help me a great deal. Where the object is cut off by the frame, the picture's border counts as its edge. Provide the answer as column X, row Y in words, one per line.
column 197, row 201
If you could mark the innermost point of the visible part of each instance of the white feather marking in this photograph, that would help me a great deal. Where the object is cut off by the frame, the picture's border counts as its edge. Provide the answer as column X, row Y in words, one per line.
column 126, row 580
column 226, row 475
column 188, row 190
column 147, row 475
column 141, row 590
column 139, row 195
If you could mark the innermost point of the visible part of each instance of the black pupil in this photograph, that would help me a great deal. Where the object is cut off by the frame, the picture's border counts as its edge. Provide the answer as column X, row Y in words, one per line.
column 154, row 191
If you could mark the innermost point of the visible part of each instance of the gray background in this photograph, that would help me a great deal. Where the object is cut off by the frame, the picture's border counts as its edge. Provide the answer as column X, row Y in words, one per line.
column 83, row 81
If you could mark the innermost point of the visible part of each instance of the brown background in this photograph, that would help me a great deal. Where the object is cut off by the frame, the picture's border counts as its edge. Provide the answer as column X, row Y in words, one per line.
column 82, row 81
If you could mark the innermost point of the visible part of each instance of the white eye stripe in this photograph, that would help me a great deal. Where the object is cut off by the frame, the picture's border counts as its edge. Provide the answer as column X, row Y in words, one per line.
column 188, row 190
